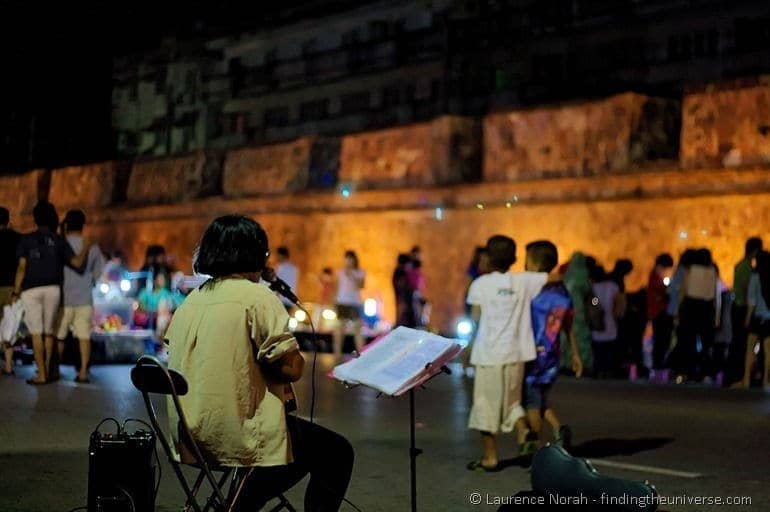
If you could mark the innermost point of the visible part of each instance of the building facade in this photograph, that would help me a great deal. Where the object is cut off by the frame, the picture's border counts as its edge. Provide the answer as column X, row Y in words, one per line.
column 382, row 64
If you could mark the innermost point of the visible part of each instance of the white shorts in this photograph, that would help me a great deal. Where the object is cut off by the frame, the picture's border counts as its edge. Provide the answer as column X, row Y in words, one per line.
column 40, row 308
column 78, row 320
column 497, row 398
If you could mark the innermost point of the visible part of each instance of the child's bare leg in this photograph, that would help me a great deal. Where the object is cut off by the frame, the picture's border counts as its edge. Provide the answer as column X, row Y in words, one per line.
column 358, row 338
column 535, row 424
column 522, row 429
column 489, row 444
column 553, row 421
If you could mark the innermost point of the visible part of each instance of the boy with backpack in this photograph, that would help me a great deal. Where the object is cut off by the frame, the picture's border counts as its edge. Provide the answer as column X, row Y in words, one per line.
column 502, row 342
column 552, row 313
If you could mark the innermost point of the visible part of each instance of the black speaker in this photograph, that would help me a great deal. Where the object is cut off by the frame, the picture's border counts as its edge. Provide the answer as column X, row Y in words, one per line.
column 121, row 472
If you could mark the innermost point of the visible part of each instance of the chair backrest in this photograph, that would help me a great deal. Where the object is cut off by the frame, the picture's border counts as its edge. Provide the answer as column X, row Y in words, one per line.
column 150, row 376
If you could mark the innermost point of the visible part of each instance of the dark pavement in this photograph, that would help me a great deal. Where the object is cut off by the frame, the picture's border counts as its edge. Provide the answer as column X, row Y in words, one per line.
column 688, row 441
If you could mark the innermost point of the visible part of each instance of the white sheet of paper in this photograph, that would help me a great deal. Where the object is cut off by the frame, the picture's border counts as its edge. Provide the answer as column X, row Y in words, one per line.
column 396, row 361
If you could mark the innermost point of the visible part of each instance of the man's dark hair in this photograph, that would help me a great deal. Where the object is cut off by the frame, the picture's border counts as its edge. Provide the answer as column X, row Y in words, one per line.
column 5, row 216
column 543, row 254
column 688, row 258
column 622, row 268
column 502, row 252
column 154, row 250
column 403, row 259
column 45, row 215
column 75, row 220
column 664, row 260
column 231, row 244
column 283, row 251
column 703, row 257
column 753, row 246
column 352, row 254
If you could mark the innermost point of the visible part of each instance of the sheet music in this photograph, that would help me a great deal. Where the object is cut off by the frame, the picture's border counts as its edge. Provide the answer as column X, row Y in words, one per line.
column 397, row 361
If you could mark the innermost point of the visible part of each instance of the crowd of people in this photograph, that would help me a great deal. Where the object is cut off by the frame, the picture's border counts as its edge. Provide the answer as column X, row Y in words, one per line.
column 53, row 271
column 698, row 328
column 409, row 289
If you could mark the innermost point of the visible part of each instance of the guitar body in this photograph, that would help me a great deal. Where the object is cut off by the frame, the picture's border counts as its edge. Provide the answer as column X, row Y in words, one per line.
column 557, row 473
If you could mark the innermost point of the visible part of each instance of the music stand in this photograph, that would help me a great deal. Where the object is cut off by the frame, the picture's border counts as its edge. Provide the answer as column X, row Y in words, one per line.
column 414, row 452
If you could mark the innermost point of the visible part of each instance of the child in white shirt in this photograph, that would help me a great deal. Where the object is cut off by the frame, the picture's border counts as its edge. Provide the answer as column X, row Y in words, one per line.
column 503, row 341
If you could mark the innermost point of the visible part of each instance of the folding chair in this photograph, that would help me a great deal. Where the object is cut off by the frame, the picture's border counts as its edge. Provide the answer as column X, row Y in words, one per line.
column 149, row 376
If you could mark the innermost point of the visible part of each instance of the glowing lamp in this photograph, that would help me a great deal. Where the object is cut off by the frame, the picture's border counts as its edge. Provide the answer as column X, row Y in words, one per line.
column 104, row 288
column 464, row 328
column 666, row 281
column 370, row 307
column 300, row 316
column 125, row 285
column 293, row 323
column 329, row 314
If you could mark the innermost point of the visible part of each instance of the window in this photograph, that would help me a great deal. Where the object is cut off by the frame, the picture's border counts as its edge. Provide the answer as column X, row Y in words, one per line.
column 752, row 34
column 354, row 103
column 313, row 110
column 390, row 96
column 701, row 44
column 276, row 116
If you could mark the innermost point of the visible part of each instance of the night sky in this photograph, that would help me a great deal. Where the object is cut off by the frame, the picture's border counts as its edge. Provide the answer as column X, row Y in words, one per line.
column 57, row 65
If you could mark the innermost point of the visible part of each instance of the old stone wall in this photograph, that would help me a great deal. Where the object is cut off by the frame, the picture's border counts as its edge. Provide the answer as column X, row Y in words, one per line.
column 83, row 186
column 585, row 139
column 439, row 152
column 19, row 194
column 275, row 169
column 727, row 125
column 167, row 180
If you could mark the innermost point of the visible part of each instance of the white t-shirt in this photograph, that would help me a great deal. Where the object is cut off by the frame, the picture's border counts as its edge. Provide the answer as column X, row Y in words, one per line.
column 504, row 333
column 289, row 274
column 348, row 292
column 606, row 291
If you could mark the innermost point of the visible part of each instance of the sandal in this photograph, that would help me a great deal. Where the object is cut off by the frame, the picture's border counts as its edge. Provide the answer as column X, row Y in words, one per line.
column 85, row 380
column 476, row 465
column 37, row 382
column 529, row 446
column 6, row 372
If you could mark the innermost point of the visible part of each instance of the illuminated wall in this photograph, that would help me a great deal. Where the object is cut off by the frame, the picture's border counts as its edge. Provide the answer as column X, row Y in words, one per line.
column 634, row 216
column 621, row 194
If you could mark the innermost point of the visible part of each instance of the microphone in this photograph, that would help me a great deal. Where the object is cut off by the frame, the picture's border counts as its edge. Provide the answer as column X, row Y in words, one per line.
column 279, row 286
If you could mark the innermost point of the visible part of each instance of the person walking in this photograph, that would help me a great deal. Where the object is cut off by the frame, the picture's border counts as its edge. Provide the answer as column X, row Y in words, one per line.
column 288, row 273
column 78, row 299
column 577, row 282
column 700, row 303
column 350, row 282
column 611, row 300
column 403, row 292
column 657, row 303
column 757, row 321
column 9, row 240
column 42, row 255
column 739, row 310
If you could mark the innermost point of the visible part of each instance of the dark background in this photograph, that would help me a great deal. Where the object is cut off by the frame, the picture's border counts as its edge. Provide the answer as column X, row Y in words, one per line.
column 56, row 58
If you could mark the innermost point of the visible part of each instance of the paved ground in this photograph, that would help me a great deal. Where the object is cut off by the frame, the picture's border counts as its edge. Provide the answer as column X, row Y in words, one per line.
column 721, row 436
